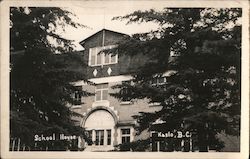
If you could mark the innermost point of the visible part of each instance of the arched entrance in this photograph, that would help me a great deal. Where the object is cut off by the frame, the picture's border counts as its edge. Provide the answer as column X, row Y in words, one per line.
column 100, row 124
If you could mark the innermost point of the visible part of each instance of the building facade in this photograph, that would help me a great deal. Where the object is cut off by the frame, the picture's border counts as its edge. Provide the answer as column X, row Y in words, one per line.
column 109, row 121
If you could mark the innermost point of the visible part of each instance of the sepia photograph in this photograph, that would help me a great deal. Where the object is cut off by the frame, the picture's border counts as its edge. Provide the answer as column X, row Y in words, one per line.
column 126, row 77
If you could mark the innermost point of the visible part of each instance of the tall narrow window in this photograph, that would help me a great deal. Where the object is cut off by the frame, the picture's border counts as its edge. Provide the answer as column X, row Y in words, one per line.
column 109, row 137
column 125, row 135
column 106, row 61
column 99, row 137
column 126, row 91
column 77, row 95
column 89, row 135
column 101, row 92
column 113, row 58
column 92, row 56
column 99, row 57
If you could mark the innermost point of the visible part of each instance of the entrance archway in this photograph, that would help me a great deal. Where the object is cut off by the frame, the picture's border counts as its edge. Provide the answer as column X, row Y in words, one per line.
column 99, row 119
column 100, row 124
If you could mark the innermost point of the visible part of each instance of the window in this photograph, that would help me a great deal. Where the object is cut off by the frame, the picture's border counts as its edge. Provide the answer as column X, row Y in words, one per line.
column 125, row 135
column 158, row 80
column 101, row 92
column 77, row 95
column 99, row 137
column 109, row 137
column 126, row 91
column 89, row 135
column 96, row 57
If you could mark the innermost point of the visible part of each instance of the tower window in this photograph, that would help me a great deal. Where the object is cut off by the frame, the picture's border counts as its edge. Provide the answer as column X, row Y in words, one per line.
column 97, row 57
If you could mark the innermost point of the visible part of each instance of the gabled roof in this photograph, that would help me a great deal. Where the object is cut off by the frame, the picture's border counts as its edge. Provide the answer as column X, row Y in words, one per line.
column 81, row 42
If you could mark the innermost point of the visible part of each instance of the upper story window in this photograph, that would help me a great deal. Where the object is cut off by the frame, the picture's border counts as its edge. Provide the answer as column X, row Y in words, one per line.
column 77, row 96
column 97, row 57
column 101, row 92
column 159, row 80
column 126, row 92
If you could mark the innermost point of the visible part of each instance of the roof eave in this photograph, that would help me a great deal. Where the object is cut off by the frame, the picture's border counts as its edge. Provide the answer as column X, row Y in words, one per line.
column 83, row 41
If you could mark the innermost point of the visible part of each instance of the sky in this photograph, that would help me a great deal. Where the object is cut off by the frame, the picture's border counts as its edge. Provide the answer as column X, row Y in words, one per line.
column 97, row 16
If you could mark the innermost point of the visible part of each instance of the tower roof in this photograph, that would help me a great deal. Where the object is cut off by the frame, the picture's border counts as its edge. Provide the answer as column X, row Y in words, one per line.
column 106, row 30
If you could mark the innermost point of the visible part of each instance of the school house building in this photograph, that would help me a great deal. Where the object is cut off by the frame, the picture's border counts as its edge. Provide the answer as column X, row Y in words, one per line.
column 108, row 120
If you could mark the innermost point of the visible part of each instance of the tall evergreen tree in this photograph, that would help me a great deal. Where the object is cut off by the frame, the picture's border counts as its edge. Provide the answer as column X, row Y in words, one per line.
column 43, row 68
column 201, row 47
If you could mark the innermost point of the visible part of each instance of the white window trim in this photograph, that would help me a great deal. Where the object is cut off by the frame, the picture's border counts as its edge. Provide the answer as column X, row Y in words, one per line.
column 99, row 130
column 102, row 57
column 126, row 135
column 101, row 93
column 105, row 142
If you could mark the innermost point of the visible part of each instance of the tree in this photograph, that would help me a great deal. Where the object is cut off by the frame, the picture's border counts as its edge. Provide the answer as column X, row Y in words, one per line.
column 43, row 68
column 201, row 47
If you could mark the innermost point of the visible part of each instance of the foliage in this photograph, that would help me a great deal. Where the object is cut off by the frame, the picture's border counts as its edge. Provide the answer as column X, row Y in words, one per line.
column 43, row 68
column 139, row 145
column 200, row 50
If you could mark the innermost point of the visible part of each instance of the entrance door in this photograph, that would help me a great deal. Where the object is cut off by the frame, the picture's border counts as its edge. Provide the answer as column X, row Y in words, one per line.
column 100, row 126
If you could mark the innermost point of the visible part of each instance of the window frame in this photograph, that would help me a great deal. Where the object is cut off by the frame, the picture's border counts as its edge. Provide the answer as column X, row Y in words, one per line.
column 108, row 138
column 157, row 81
column 102, row 55
column 102, row 90
column 103, row 137
column 99, row 137
column 125, row 91
column 125, row 135
column 78, row 100
column 90, row 135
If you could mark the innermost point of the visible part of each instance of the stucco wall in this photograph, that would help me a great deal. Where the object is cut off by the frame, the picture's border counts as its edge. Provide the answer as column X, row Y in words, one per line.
column 124, row 111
